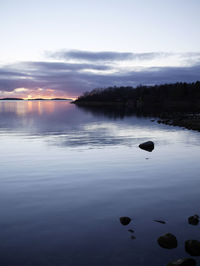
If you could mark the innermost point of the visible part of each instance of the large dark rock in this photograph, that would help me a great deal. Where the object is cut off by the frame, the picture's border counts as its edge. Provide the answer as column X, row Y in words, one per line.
column 168, row 241
column 147, row 146
column 194, row 220
column 183, row 262
column 192, row 247
column 125, row 220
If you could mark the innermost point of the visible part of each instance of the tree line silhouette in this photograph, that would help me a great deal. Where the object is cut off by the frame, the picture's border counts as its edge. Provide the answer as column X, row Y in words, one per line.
column 179, row 96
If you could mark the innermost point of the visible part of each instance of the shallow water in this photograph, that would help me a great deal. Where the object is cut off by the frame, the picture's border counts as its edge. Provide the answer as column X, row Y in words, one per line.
column 67, row 175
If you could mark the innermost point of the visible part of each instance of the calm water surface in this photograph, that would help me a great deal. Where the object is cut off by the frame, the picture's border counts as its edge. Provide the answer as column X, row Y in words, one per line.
column 67, row 175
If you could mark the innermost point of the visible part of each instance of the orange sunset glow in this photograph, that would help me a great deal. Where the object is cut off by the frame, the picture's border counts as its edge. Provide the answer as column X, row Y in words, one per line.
column 31, row 94
column 22, row 108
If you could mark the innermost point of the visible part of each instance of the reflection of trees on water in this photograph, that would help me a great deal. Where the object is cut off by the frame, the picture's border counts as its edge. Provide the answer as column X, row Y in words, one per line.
column 108, row 111
column 68, row 125
column 121, row 112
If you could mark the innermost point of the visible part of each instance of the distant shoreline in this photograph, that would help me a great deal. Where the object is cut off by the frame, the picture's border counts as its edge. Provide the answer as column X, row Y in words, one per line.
column 37, row 99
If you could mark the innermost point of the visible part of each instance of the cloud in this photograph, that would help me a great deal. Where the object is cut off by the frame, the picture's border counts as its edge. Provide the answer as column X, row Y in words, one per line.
column 73, row 78
column 107, row 56
column 60, row 66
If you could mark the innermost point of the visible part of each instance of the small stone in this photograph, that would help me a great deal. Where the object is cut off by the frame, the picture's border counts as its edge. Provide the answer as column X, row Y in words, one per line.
column 131, row 230
column 125, row 220
column 168, row 241
column 194, row 220
column 192, row 247
column 147, row 146
column 183, row 262
column 160, row 221
column 133, row 237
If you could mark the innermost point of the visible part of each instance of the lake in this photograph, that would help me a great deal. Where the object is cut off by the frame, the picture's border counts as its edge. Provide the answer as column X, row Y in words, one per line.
column 67, row 174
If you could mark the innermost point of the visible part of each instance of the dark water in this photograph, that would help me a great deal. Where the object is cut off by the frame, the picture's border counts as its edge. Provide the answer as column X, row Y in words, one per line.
column 67, row 175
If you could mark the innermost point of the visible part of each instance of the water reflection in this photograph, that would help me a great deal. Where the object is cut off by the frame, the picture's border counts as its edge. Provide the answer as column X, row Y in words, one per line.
column 108, row 111
column 39, row 107
column 21, row 108
column 71, row 126
column 67, row 175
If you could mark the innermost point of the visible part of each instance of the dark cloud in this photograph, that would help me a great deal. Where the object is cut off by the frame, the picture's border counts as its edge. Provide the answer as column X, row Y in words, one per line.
column 7, row 73
column 148, row 76
column 60, row 66
column 102, row 56
column 10, row 83
column 74, row 78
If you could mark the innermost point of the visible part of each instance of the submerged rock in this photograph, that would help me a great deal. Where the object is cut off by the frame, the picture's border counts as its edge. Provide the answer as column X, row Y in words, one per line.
column 160, row 221
column 131, row 230
column 194, row 220
column 192, row 247
column 125, row 220
column 168, row 241
column 147, row 146
column 183, row 262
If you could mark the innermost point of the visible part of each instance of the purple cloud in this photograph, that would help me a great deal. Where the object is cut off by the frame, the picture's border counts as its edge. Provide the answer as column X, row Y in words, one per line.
column 75, row 78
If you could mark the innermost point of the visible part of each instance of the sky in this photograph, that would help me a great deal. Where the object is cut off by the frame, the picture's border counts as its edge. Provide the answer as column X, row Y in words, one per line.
column 61, row 48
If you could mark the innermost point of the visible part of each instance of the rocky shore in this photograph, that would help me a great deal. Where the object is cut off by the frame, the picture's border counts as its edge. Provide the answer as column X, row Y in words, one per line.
column 188, row 120
column 175, row 104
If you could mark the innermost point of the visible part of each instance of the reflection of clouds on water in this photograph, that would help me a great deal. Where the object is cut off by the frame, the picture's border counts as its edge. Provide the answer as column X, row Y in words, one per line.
column 63, row 124
column 80, row 191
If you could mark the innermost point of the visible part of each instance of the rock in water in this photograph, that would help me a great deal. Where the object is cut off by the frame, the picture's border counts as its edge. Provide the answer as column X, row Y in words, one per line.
column 183, row 262
column 125, row 220
column 160, row 221
column 192, row 247
column 194, row 220
column 168, row 241
column 147, row 146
